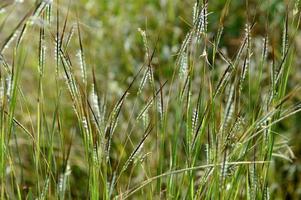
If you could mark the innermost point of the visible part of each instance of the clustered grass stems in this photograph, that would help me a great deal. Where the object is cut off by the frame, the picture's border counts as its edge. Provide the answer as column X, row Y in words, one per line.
column 209, row 131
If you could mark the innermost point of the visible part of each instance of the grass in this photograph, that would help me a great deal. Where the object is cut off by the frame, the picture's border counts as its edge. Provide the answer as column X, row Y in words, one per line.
column 93, row 106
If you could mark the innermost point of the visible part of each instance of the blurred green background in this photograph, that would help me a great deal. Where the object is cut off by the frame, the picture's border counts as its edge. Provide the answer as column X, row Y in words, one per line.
column 114, row 47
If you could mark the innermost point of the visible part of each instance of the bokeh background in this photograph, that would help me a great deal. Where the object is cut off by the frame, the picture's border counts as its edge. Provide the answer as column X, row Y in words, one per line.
column 114, row 47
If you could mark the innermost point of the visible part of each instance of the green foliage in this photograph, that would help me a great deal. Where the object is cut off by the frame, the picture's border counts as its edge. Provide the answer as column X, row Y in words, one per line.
column 149, row 99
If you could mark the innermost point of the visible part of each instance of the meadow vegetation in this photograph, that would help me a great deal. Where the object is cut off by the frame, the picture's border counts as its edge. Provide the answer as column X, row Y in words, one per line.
column 146, row 99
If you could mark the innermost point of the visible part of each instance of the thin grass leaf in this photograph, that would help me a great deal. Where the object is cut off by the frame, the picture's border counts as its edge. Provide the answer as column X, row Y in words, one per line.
column 151, row 101
column 81, row 55
column 138, row 148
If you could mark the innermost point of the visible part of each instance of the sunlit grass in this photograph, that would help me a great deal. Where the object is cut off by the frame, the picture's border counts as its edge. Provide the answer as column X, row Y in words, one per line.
column 158, row 108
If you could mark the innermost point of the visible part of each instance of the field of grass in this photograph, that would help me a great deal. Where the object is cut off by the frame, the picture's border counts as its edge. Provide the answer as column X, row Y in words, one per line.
column 145, row 99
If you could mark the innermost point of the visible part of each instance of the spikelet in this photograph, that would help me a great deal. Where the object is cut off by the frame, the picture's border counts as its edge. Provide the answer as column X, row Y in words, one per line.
column 203, row 20
column 102, row 111
column 70, row 80
column 195, row 118
column 265, row 48
column 284, row 51
column 195, row 13
column 85, row 125
column 160, row 106
column 235, row 129
column 266, row 193
column 145, row 119
column 188, row 97
column 143, row 81
column 39, row 10
column 81, row 56
column 62, row 182
column 8, row 86
column 61, row 186
column 70, row 35
column 82, row 65
column 224, row 170
column 229, row 108
column 248, row 34
column 145, row 42
column 142, row 157
column 248, row 56
column 184, row 45
column 42, row 53
column 112, row 124
column 69, row 85
column 96, row 161
column 183, row 70
column 253, row 181
column 246, row 43
column 244, row 72
column 116, row 111
column 145, row 108
column 138, row 149
column 151, row 75
column 45, row 189
column 285, row 38
column 133, row 156
column 95, row 103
